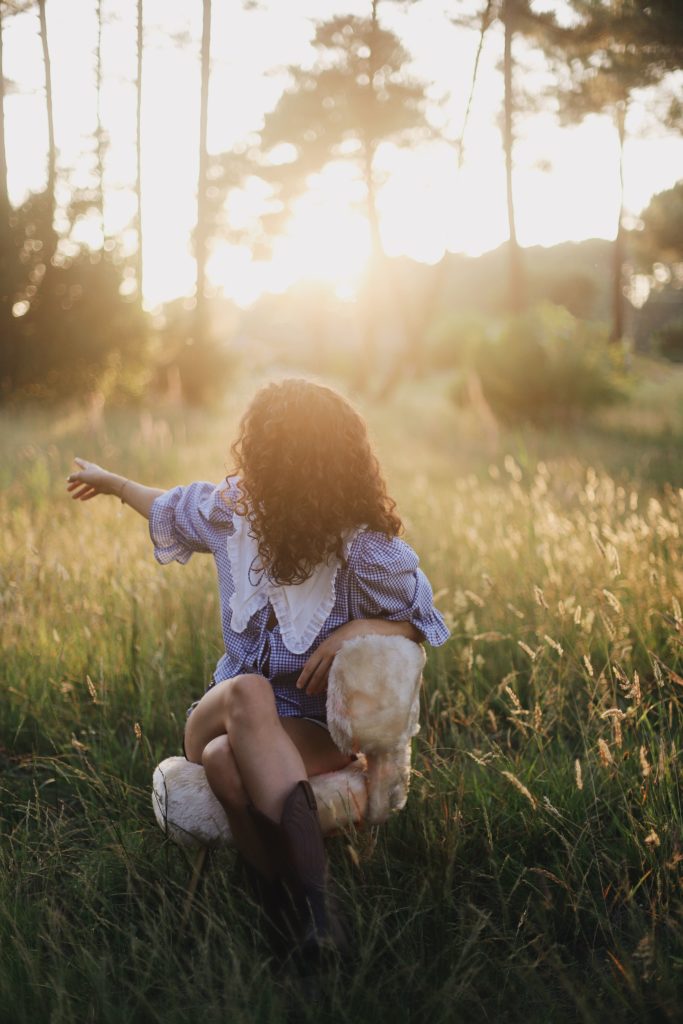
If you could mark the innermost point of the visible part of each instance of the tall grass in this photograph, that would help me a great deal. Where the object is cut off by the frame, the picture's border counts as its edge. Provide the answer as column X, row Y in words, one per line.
column 535, row 873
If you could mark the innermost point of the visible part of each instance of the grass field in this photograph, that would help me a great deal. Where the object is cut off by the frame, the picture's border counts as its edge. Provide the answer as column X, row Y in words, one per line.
column 535, row 874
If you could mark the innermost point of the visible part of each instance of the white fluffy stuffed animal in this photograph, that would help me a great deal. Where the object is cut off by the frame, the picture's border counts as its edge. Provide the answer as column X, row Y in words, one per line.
column 372, row 710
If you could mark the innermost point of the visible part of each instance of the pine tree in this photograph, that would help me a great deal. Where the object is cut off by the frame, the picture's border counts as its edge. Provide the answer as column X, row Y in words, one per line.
column 355, row 96
column 614, row 48
column 517, row 18
column 51, row 235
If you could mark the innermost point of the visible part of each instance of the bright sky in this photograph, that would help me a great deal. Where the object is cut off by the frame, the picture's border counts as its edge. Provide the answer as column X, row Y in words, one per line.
column 565, row 179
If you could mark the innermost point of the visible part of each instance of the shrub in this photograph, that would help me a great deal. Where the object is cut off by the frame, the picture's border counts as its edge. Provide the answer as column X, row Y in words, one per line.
column 204, row 368
column 669, row 341
column 450, row 342
column 76, row 335
column 545, row 366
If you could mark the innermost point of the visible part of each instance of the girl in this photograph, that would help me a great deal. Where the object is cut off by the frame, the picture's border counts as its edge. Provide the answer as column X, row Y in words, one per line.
column 305, row 540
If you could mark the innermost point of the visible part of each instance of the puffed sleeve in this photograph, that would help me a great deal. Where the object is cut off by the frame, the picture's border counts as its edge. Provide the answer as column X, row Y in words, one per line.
column 386, row 583
column 188, row 519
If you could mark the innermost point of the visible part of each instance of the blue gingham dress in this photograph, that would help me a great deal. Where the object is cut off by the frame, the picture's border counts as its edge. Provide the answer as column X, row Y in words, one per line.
column 380, row 579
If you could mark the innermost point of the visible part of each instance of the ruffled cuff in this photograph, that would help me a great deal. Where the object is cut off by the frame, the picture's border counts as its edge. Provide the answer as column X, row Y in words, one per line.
column 424, row 616
column 169, row 544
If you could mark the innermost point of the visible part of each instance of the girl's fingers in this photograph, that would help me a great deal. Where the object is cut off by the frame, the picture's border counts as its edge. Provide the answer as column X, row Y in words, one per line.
column 81, row 492
column 319, row 679
column 306, row 673
column 89, row 496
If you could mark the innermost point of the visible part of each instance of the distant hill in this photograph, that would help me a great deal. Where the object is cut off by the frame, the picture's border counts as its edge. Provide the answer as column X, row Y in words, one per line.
column 577, row 275
column 573, row 274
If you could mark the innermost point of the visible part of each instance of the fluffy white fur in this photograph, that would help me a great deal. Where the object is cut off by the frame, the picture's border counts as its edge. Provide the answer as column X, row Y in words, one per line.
column 372, row 708
column 373, row 705
column 189, row 813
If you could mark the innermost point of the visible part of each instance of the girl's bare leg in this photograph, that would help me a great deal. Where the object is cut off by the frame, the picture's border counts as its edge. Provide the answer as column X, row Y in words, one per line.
column 263, row 759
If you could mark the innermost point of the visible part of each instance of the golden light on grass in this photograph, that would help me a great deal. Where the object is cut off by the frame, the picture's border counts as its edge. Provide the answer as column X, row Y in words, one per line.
column 498, row 695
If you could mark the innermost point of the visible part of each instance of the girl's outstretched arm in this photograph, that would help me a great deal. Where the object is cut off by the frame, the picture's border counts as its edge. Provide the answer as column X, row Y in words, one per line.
column 90, row 480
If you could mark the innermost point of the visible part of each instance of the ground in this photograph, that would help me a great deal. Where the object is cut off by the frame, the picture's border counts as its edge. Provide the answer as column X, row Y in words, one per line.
column 535, row 873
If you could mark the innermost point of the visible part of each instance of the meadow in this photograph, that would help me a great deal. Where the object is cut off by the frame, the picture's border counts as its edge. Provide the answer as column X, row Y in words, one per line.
column 535, row 874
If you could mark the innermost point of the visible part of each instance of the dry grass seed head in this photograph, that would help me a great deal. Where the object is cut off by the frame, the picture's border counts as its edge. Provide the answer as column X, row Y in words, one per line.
column 520, row 787
column 578, row 774
column 605, row 753
column 613, row 601
column 91, row 689
column 519, row 710
column 554, row 644
column 616, row 733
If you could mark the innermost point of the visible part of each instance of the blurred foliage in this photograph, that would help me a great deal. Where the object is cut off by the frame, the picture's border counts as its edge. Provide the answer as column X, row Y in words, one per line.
column 540, row 367
column 67, row 328
column 202, row 369
column 610, row 50
column 355, row 95
column 669, row 341
column 71, row 327
column 660, row 238
column 657, row 253
column 70, row 324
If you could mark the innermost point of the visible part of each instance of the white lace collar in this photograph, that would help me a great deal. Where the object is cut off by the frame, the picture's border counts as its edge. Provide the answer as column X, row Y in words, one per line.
column 300, row 608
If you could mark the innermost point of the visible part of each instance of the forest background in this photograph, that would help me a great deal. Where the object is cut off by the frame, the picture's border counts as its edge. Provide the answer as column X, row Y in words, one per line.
column 343, row 193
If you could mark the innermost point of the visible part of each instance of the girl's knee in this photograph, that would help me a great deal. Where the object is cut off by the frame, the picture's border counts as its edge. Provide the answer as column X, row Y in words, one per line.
column 249, row 700
column 222, row 772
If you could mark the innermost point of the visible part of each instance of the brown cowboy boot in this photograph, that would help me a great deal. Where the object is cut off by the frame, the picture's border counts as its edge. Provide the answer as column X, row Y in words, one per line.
column 298, row 853
column 269, row 894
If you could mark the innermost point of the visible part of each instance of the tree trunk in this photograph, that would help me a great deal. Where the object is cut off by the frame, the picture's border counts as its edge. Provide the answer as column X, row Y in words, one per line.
column 371, row 305
column 139, row 265
column 6, row 248
column 99, row 131
column 4, row 194
column 416, row 318
column 369, row 147
column 52, row 150
column 201, row 233
column 617, row 331
column 515, row 299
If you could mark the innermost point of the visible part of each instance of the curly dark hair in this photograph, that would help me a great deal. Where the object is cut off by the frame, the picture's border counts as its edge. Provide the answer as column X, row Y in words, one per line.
column 307, row 474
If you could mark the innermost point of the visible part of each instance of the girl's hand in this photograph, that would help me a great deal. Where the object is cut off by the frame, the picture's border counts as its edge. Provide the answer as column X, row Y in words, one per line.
column 91, row 480
column 313, row 678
